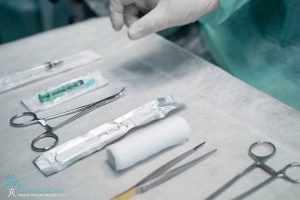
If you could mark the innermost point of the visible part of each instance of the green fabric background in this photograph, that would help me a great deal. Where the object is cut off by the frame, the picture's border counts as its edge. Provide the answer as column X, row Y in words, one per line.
column 258, row 42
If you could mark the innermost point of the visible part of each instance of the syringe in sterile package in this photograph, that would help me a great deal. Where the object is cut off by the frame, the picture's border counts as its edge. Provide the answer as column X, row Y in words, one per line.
column 47, row 69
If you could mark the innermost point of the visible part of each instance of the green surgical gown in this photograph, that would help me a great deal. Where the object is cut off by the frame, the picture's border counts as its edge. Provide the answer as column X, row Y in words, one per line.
column 258, row 41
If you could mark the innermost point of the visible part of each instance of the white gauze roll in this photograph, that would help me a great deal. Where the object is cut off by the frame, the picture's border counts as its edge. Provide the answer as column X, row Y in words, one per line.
column 147, row 142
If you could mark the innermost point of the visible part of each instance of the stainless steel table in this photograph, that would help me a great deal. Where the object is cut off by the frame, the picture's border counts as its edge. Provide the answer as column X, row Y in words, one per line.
column 220, row 109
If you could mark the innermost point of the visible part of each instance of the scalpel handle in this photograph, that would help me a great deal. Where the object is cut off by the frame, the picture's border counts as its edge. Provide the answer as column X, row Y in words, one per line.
column 126, row 195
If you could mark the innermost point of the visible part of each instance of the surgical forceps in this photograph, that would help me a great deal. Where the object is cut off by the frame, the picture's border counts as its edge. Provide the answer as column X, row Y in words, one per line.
column 80, row 111
column 163, row 174
column 259, row 161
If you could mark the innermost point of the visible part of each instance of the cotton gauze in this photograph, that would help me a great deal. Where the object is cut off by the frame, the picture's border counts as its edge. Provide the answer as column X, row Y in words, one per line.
column 147, row 142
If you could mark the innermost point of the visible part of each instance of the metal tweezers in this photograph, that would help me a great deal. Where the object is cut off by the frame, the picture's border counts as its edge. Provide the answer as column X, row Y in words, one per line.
column 163, row 174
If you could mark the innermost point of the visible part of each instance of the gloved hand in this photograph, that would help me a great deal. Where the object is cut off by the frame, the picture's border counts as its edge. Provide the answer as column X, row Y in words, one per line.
column 156, row 14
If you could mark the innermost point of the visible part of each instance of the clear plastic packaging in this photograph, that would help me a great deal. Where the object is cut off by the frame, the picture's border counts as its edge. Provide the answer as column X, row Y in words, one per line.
column 47, row 69
column 65, row 91
column 66, row 154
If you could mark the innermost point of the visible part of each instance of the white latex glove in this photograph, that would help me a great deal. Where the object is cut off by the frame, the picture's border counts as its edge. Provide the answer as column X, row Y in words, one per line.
column 157, row 14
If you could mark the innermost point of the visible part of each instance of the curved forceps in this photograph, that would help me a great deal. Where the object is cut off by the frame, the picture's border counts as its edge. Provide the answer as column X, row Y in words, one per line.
column 259, row 161
column 32, row 119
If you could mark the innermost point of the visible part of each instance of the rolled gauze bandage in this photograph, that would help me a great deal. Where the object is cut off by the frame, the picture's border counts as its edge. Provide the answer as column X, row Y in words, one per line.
column 147, row 142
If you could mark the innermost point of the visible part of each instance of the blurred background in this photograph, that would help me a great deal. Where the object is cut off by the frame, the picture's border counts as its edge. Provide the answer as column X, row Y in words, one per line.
column 22, row 18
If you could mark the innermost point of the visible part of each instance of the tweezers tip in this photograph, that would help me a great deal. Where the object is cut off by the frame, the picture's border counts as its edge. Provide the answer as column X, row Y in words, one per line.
column 199, row 145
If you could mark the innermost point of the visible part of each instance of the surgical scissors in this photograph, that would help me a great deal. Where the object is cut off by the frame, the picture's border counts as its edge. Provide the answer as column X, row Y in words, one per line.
column 259, row 161
column 163, row 174
column 80, row 111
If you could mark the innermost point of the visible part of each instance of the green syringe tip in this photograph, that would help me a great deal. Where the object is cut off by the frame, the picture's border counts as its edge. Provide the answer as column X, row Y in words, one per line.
column 90, row 82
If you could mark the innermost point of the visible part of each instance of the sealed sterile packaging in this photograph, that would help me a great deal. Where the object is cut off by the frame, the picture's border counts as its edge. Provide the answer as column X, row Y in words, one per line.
column 65, row 91
column 96, row 139
column 47, row 69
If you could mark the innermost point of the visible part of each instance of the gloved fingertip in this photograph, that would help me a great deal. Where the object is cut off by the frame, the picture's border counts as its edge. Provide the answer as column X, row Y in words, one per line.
column 116, row 21
column 117, row 27
column 131, row 36
column 135, row 33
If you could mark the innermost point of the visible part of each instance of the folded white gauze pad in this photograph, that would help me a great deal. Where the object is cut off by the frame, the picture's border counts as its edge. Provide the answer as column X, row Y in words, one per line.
column 147, row 142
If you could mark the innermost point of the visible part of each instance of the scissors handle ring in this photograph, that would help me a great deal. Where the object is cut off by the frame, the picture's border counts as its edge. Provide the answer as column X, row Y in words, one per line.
column 25, row 114
column 259, row 158
column 285, row 176
column 41, row 137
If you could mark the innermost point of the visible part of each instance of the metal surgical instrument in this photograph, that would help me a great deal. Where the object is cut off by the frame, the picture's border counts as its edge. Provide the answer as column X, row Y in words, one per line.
column 163, row 174
column 259, row 161
column 80, row 111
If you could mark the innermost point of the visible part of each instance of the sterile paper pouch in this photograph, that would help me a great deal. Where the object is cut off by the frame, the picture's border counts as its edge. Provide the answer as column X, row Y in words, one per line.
column 66, row 154
column 47, row 69
column 65, row 91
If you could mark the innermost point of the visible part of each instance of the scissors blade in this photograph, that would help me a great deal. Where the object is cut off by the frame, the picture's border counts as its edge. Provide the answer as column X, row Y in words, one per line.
column 91, row 108
column 171, row 174
column 81, row 108
column 254, row 189
column 231, row 182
